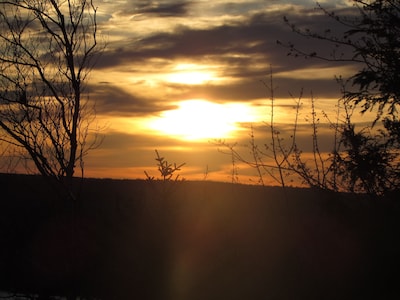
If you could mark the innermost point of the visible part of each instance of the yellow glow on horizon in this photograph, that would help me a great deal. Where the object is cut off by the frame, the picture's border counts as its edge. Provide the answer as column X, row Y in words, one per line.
column 200, row 119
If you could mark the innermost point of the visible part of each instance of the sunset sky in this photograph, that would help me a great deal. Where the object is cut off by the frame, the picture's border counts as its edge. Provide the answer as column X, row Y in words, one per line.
column 178, row 75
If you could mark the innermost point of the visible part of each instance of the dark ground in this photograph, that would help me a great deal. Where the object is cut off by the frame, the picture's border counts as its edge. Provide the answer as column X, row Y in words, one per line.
column 196, row 241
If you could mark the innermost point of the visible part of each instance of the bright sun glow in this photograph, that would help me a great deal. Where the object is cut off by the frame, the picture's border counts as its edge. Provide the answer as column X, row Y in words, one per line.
column 200, row 119
column 190, row 74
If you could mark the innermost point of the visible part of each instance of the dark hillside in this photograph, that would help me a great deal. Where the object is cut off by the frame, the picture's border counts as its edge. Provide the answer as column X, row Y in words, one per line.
column 133, row 239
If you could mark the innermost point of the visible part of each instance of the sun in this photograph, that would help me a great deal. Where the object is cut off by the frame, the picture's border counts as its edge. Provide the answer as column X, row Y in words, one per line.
column 200, row 119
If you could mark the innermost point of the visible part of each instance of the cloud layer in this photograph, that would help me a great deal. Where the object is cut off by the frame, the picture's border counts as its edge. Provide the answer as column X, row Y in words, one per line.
column 238, row 40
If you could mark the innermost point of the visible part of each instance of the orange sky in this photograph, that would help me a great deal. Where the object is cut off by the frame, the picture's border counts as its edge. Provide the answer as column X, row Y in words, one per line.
column 178, row 75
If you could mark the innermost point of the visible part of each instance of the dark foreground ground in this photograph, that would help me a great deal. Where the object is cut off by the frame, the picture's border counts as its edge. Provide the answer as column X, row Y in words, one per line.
column 196, row 241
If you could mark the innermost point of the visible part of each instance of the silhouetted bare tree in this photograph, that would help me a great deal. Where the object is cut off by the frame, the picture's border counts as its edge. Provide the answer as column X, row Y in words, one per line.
column 372, row 39
column 46, row 54
column 369, row 161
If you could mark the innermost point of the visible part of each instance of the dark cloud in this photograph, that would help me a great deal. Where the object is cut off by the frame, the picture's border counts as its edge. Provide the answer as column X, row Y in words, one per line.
column 112, row 100
column 165, row 9
column 121, row 140
column 235, row 9
column 155, row 8
column 248, row 40
column 249, row 89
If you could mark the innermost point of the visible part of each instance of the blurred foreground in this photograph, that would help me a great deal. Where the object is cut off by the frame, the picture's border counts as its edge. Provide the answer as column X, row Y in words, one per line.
column 195, row 241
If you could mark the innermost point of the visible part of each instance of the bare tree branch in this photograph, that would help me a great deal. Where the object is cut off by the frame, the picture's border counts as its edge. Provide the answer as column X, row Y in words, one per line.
column 46, row 53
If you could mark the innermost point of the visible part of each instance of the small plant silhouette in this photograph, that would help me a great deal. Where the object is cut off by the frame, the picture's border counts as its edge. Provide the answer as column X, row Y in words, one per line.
column 167, row 170
column 168, row 177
